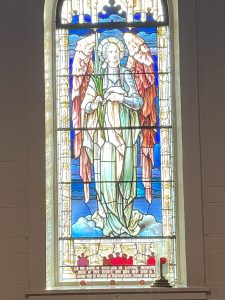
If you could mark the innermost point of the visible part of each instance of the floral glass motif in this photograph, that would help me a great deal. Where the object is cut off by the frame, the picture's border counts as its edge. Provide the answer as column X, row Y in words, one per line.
column 114, row 143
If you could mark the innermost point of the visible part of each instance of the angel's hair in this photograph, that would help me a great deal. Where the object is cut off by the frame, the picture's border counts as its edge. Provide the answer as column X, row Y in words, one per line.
column 105, row 49
column 112, row 41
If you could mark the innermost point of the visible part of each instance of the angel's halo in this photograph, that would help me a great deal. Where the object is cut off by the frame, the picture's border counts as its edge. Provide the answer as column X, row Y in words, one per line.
column 110, row 40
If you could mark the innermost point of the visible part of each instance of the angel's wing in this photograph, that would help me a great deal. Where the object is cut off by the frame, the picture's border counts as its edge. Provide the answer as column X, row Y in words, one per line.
column 141, row 64
column 81, row 70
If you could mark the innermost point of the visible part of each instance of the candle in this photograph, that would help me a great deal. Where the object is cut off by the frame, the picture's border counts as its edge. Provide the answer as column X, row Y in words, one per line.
column 162, row 262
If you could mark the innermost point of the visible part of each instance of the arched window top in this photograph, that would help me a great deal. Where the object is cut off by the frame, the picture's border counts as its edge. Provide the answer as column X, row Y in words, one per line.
column 85, row 13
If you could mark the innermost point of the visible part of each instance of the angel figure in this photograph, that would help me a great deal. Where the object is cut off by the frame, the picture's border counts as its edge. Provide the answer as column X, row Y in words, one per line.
column 112, row 118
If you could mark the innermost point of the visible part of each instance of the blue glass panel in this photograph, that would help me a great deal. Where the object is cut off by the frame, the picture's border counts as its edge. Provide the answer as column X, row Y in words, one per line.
column 137, row 17
column 87, row 18
column 75, row 19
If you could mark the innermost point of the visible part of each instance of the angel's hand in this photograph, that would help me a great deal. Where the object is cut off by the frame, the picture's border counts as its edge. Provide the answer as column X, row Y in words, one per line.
column 97, row 100
column 114, row 89
column 115, row 97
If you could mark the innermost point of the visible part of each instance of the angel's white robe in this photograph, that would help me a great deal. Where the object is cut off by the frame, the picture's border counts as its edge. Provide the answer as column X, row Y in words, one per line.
column 114, row 156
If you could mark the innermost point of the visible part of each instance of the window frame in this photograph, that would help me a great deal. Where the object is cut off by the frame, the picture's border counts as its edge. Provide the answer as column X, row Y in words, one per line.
column 189, row 182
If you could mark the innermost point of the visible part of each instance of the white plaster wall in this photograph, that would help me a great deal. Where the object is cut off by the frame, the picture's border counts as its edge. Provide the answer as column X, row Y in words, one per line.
column 211, row 74
column 13, row 151
column 21, row 162
column 22, row 172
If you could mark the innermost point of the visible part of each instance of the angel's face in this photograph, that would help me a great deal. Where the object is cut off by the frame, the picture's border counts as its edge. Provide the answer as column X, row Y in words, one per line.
column 113, row 55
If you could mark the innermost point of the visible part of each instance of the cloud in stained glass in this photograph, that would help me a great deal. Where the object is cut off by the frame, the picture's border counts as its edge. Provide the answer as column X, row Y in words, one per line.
column 150, row 39
column 113, row 18
column 86, row 227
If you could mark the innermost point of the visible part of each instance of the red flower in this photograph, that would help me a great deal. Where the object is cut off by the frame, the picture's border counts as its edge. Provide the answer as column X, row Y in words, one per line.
column 112, row 282
column 83, row 283
column 142, row 282
column 163, row 260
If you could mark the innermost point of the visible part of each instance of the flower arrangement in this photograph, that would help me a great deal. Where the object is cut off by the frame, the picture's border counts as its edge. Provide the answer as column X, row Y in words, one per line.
column 163, row 260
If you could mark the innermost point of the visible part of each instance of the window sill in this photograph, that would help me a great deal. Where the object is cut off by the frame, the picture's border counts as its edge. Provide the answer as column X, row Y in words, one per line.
column 69, row 293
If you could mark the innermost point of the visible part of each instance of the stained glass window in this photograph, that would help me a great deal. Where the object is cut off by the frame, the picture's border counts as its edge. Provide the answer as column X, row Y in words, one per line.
column 115, row 167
